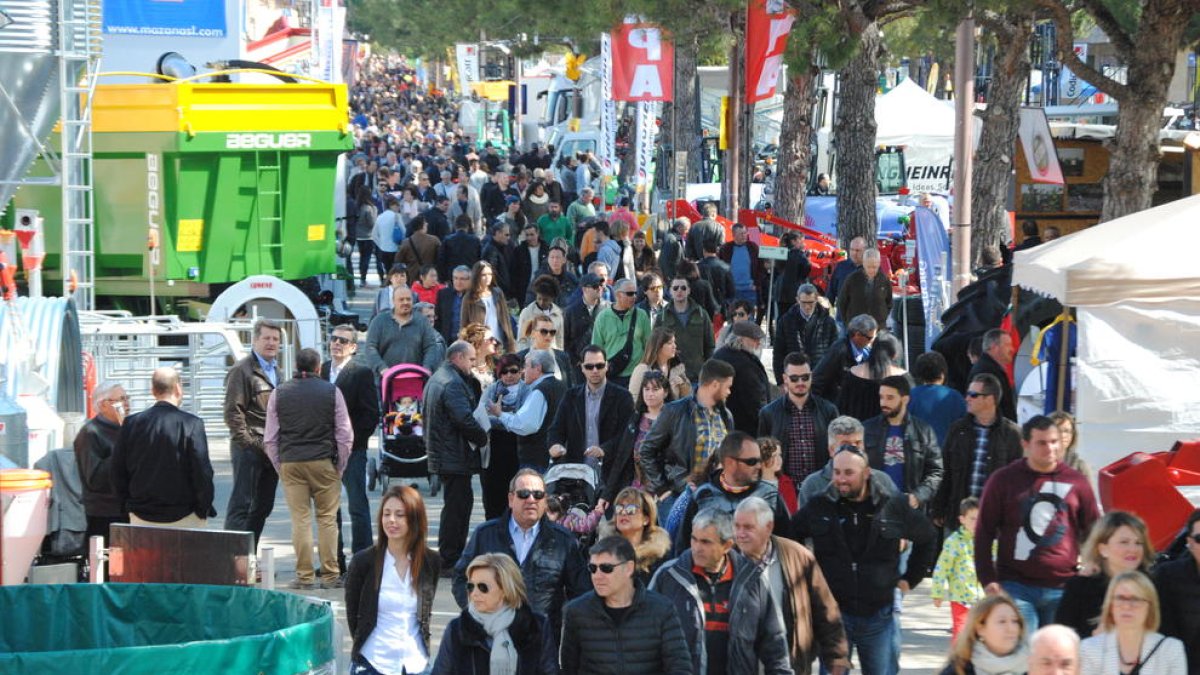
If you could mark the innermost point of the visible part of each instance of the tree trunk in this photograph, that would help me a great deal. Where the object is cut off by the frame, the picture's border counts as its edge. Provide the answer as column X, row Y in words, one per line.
column 795, row 146
column 681, row 112
column 855, row 139
column 997, row 139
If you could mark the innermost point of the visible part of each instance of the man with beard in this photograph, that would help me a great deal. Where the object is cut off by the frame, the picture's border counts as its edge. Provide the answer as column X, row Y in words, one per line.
column 751, row 387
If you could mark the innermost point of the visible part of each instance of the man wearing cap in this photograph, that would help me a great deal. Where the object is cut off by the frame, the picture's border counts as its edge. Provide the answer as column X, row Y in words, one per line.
column 581, row 316
column 751, row 387
column 513, row 216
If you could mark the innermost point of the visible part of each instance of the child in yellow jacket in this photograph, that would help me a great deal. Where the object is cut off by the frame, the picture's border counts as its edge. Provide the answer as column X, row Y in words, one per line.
column 954, row 576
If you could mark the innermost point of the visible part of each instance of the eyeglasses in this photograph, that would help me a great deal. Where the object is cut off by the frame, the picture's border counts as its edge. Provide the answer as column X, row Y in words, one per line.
column 125, row 399
column 629, row 293
column 606, row 568
column 679, row 288
column 655, row 288
column 627, row 509
column 749, row 461
column 1129, row 600
column 805, row 377
column 1195, row 537
column 338, row 339
column 481, row 587
column 539, row 495
column 510, row 371
column 976, row 394
column 548, row 331
column 594, row 366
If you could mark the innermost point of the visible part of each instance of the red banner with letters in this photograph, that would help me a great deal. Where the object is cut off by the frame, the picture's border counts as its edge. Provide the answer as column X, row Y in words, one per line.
column 643, row 63
column 767, row 25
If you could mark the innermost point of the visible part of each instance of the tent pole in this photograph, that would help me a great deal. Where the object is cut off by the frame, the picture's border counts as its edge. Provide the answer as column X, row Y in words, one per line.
column 1063, row 354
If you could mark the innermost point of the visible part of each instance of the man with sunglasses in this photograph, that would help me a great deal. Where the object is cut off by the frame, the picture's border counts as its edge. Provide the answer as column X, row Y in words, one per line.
column 580, row 317
column 548, row 555
column 621, row 331
column 357, row 384
column 1178, row 585
column 736, row 480
column 692, row 326
column 977, row 445
column 856, row 527
column 799, row 419
column 621, row 627
column 591, row 416
column 710, row 585
column 853, row 349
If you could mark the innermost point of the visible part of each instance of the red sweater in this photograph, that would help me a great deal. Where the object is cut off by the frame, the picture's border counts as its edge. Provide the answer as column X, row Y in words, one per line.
column 1038, row 520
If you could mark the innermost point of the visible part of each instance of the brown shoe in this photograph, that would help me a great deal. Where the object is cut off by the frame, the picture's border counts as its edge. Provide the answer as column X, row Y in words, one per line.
column 329, row 585
column 298, row 585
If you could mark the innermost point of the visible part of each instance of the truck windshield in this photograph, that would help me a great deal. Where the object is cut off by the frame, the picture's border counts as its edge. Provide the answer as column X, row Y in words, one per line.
column 889, row 171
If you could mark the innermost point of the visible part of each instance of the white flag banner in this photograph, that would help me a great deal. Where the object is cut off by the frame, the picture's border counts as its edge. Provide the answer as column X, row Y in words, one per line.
column 608, row 113
column 467, row 56
column 647, row 130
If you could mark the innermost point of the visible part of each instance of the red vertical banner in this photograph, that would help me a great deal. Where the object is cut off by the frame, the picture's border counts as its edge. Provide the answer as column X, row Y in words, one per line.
column 768, row 23
column 643, row 63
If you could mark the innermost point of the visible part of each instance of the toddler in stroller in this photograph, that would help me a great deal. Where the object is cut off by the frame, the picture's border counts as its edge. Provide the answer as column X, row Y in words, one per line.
column 402, row 442
column 574, row 487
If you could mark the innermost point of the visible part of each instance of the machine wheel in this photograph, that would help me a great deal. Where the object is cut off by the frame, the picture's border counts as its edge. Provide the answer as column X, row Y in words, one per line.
column 372, row 474
column 384, row 481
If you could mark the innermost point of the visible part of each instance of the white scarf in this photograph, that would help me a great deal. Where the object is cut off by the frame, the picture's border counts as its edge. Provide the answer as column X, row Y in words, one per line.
column 503, row 659
column 987, row 663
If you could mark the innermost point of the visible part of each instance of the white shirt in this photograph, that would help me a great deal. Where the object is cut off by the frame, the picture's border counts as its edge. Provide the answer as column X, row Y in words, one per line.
column 394, row 647
column 529, row 416
column 522, row 539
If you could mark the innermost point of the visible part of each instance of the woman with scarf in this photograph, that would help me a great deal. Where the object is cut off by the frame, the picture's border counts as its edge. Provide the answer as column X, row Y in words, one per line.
column 992, row 642
column 497, row 634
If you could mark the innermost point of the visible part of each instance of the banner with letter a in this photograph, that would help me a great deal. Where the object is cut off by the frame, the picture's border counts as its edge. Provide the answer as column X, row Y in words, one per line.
column 767, row 25
column 643, row 63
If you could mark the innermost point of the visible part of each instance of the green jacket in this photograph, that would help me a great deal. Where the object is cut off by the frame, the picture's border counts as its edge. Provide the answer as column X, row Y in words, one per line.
column 694, row 342
column 610, row 332
column 577, row 212
column 552, row 228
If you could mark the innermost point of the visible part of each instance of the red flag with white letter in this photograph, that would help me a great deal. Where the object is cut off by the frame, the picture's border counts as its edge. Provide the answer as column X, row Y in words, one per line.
column 767, row 25
column 643, row 63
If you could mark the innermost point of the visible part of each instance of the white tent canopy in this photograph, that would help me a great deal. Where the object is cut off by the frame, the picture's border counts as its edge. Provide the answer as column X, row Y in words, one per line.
column 1136, row 289
column 910, row 116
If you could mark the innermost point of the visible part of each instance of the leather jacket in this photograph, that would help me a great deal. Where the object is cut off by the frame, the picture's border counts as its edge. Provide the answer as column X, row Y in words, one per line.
column 667, row 451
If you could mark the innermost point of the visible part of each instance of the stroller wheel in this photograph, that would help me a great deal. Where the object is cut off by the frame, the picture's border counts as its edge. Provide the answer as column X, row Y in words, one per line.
column 384, row 481
column 372, row 474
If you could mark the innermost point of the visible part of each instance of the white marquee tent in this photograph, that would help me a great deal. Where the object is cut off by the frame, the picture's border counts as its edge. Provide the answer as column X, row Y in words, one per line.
column 1135, row 285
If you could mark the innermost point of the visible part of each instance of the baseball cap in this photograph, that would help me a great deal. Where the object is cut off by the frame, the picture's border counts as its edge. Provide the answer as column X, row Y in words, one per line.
column 512, row 199
column 747, row 329
column 591, row 279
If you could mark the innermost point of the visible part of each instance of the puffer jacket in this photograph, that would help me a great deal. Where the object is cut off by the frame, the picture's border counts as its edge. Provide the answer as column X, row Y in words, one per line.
column 667, row 450
column 465, row 649
column 247, row 391
column 553, row 570
column 450, row 425
column 756, row 631
column 864, row 585
column 794, row 333
column 649, row 638
column 775, row 418
column 922, row 455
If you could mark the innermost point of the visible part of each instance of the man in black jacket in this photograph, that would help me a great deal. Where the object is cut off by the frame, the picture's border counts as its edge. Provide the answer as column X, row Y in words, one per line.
column 591, row 415
column 437, row 219
column 725, row 604
column 523, row 260
column 449, row 303
column 718, row 275
column 451, row 436
column 902, row 446
column 799, row 420
column 854, row 349
column 751, row 387
column 549, row 556
column 357, row 384
column 160, row 467
column 460, row 248
column 621, row 627
column 805, row 327
column 93, row 454
column 1178, row 583
column 856, row 530
column 670, row 251
column 997, row 354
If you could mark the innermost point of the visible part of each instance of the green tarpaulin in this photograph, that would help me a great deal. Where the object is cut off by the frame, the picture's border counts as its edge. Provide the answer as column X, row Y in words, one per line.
column 129, row 629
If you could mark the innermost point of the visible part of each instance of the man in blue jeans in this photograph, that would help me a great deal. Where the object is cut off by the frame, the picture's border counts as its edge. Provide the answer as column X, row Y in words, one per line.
column 1037, row 510
column 856, row 528
column 356, row 381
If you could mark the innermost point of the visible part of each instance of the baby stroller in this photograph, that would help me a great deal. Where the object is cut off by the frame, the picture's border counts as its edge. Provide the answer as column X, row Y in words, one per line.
column 401, row 434
column 574, row 486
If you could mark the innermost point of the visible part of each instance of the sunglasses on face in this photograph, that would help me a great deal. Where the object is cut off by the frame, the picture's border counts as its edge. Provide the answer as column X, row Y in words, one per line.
column 548, row 331
column 629, row 293
column 594, row 366
column 975, row 394
column 1195, row 537
column 510, row 371
column 606, row 568
column 481, row 587
column 338, row 339
column 655, row 288
column 679, row 288
column 627, row 509
column 800, row 378
column 539, row 495
column 749, row 461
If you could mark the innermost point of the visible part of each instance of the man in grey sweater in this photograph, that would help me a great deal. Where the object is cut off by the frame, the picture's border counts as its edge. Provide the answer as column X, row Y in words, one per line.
column 402, row 337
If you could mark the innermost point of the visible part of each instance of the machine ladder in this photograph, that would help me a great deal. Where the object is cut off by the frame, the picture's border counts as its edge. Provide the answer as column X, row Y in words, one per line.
column 269, row 205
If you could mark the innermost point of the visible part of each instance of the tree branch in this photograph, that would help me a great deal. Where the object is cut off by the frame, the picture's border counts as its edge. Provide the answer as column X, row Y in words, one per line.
column 1121, row 40
column 1065, row 39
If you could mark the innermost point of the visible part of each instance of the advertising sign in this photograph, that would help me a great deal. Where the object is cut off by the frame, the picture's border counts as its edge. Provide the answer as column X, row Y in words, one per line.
column 767, row 25
column 647, row 129
column 468, row 67
column 643, row 63
column 1070, row 87
column 608, row 113
column 174, row 18
column 1038, row 145
column 933, row 245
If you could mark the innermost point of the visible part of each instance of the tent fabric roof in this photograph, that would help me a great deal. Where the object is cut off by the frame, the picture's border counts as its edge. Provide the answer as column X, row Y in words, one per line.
column 908, row 114
column 1149, row 256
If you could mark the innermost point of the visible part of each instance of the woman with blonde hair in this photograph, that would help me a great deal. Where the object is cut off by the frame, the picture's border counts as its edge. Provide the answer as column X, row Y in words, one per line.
column 635, row 517
column 1128, row 642
column 992, row 642
column 486, row 345
column 1118, row 542
column 497, row 632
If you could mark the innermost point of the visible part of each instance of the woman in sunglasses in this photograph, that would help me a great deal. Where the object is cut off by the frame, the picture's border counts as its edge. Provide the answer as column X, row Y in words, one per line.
column 484, row 341
column 502, row 444
column 739, row 310
column 661, row 355
column 1128, row 642
column 497, row 632
column 390, row 588
column 635, row 517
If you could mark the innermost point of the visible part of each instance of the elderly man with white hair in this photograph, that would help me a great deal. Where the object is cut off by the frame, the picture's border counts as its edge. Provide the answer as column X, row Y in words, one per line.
column 93, row 451
column 1054, row 650
column 811, row 615
column 866, row 291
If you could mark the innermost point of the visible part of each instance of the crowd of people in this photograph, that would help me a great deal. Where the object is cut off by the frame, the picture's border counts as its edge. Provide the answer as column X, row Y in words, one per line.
column 747, row 518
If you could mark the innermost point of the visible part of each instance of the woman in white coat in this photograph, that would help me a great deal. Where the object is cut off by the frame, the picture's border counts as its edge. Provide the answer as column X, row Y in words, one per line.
column 1129, row 642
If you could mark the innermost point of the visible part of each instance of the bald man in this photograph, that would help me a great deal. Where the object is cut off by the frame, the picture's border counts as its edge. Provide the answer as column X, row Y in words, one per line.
column 1054, row 650
column 160, row 466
